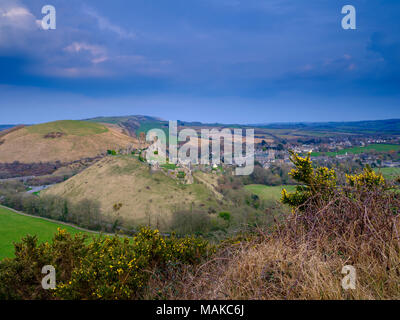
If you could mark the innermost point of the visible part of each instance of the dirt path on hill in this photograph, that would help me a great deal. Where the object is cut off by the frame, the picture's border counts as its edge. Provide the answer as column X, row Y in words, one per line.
column 209, row 186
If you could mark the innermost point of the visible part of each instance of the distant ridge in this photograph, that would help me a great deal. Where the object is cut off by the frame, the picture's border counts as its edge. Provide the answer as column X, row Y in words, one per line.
column 389, row 126
column 136, row 123
column 117, row 119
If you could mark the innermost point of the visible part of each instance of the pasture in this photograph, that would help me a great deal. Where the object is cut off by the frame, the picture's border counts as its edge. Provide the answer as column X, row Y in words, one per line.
column 13, row 227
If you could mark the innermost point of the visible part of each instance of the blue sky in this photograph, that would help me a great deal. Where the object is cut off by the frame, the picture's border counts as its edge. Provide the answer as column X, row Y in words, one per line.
column 232, row 61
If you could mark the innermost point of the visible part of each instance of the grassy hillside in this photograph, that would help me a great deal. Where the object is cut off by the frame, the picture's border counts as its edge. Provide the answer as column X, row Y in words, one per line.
column 61, row 140
column 268, row 192
column 127, row 190
column 14, row 226
column 133, row 125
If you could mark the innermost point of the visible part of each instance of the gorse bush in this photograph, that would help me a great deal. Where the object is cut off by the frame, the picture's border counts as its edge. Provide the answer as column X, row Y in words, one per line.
column 363, row 213
column 321, row 184
column 105, row 268
column 321, row 181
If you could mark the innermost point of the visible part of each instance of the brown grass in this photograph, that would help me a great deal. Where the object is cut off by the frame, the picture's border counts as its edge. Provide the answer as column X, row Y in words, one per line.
column 303, row 258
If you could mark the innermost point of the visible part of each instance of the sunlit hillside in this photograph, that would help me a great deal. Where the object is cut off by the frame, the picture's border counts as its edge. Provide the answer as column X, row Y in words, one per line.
column 61, row 140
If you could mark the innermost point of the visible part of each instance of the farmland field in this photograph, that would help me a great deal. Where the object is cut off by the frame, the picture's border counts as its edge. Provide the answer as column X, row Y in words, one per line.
column 13, row 227
column 268, row 192
column 358, row 150
column 389, row 173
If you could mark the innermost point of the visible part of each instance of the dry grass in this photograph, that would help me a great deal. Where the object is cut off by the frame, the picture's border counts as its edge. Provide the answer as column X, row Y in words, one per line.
column 303, row 258
column 145, row 197
column 28, row 144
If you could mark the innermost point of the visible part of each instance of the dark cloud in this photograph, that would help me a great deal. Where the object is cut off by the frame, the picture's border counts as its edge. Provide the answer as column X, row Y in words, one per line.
column 267, row 52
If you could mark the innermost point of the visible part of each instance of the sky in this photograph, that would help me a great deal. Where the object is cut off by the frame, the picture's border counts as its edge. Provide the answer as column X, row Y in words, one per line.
column 229, row 61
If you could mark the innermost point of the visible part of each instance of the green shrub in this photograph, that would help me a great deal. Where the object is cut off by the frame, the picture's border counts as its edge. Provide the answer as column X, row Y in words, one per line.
column 112, row 152
column 181, row 175
column 107, row 268
column 141, row 159
column 225, row 215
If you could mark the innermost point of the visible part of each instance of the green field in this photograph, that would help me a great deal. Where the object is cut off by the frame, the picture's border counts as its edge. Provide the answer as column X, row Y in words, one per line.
column 13, row 227
column 268, row 192
column 388, row 173
column 358, row 150
column 69, row 127
column 169, row 166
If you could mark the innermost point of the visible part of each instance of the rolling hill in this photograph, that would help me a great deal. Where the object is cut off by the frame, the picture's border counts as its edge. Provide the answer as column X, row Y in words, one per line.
column 390, row 126
column 131, row 125
column 126, row 189
column 64, row 141
column 273, row 132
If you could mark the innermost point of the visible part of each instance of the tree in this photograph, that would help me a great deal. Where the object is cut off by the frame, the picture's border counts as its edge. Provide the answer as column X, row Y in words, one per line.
column 320, row 184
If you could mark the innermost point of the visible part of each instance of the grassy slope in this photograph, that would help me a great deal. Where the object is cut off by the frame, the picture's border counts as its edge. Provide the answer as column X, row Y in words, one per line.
column 81, row 140
column 14, row 226
column 70, row 127
column 143, row 195
column 268, row 192
column 357, row 150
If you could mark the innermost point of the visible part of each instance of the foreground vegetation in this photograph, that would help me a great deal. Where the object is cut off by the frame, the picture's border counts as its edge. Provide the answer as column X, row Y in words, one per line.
column 106, row 268
column 332, row 224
